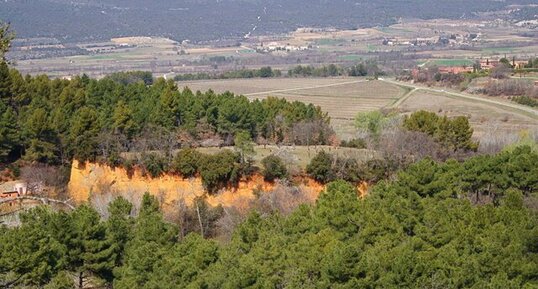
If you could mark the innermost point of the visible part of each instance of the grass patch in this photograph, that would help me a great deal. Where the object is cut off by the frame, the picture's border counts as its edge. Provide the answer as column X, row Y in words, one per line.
column 392, row 30
column 247, row 51
column 372, row 48
column 105, row 57
column 329, row 42
column 498, row 49
column 298, row 155
column 421, row 62
column 352, row 57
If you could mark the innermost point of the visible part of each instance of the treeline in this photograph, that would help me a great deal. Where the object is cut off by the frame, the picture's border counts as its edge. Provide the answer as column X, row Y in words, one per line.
column 53, row 121
column 264, row 72
column 533, row 63
column 468, row 224
column 511, row 87
column 433, row 76
column 130, row 77
column 442, row 137
column 366, row 68
column 420, row 135
column 218, row 170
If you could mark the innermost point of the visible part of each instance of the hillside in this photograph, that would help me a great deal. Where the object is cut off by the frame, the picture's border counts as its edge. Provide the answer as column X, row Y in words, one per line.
column 210, row 20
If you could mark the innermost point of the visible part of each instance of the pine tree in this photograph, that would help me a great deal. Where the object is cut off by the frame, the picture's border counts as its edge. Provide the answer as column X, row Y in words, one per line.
column 83, row 134
column 9, row 132
column 5, row 84
column 151, row 237
column 30, row 255
column 41, row 140
column 92, row 252
column 320, row 167
column 336, row 207
column 6, row 35
column 120, row 225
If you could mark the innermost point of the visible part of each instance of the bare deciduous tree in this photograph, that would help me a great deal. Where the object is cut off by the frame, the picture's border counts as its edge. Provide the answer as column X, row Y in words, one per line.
column 283, row 199
column 44, row 180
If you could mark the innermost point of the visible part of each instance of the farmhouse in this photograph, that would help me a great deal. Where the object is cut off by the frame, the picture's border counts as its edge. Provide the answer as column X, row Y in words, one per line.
column 488, row 63
column 425, row 41
column 275, row 46
column 444, row 70
column 455, row 69
column 491, row 63
column 13, row 189
column 519, row 64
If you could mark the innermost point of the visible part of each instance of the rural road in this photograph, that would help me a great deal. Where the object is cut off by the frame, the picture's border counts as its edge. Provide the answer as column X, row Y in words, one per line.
column 303, row 88
column 528, row 111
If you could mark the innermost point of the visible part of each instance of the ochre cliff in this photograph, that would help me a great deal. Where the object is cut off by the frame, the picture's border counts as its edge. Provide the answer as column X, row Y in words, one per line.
column 92, row 178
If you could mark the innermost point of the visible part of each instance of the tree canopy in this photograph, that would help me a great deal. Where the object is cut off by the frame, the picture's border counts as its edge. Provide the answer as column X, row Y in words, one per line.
column 467, row 224
column 53, row 121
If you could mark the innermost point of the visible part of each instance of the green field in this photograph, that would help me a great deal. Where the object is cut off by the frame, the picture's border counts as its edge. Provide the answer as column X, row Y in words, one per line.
column 297, row 157
column 106, row 57
column 247, row 51
column 451, row 62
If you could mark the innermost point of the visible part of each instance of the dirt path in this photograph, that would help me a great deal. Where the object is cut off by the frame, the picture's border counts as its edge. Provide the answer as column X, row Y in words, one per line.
column 520, row 109
column 304, row 88
column 403, row 98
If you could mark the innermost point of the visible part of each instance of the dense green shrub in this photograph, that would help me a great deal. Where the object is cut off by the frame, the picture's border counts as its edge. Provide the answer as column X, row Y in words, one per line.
column 186, row 162
column 274, row 168
column 320, row 167
column 452, row 133
column 220, row 170
column 154, row 164
column 354, row 143
column 525, row 100
column 263, row 72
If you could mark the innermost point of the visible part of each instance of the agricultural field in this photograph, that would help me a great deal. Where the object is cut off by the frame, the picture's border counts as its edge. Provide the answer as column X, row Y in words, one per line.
column 486, row 119
column 341, row 98
column 158, row 55
column 165, row 57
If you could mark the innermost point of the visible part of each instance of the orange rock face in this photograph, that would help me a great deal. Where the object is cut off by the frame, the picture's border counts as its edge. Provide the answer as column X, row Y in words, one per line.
column 90, row 178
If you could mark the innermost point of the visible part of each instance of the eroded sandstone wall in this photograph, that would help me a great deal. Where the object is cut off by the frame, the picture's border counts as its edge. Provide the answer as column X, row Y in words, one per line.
column 92, row 178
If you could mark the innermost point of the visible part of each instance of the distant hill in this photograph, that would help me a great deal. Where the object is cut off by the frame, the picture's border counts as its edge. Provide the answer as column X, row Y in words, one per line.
column 198, row 20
